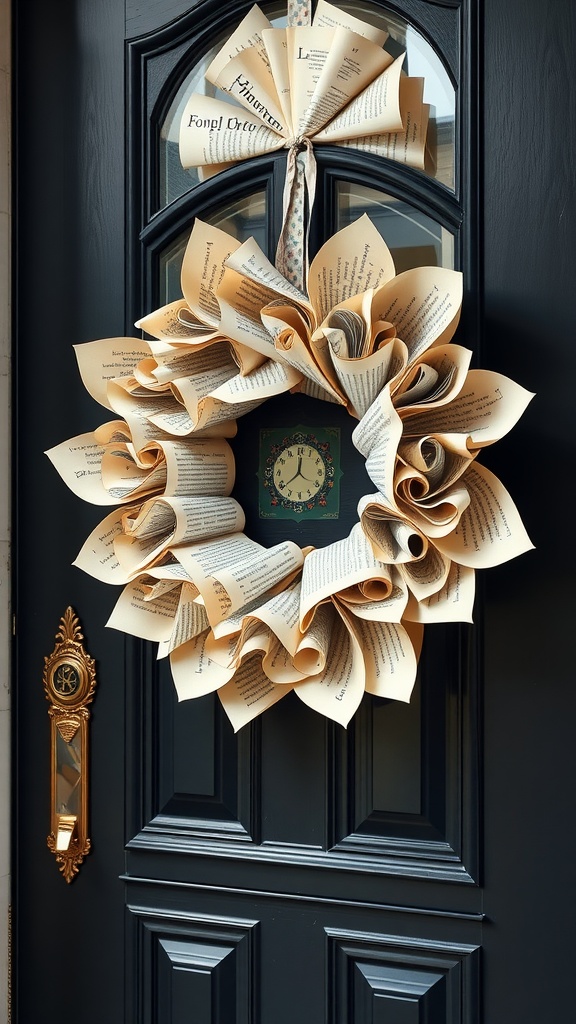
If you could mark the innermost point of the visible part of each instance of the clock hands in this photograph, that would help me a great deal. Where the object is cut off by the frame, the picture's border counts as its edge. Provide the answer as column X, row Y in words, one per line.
column 297, row 473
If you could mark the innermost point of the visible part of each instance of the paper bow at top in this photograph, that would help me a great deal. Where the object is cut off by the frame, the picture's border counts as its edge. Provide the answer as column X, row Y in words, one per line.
column 330, row 83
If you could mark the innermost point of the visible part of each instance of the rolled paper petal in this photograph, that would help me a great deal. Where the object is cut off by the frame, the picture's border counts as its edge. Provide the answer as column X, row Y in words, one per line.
column 162, row 523
column 97, row 557
column 433, row 381
column 247, row 34
column 326, row 15
column 197, row 518
column 363, row 379
column 389, row 609
column 434, row 515
column 193, row 672
column 361, row 260
column 278, row 666
column 79, row 463
column 380, row 423
column 104, row 360
column 393, row 537
column 424, row 306
column 377, row 437
column 440, row 459
column 277, row 610
column 313, row 647
column 341, row 566
column 249, row 693
column 213, row 132
column 490, row 531
column 174, row 323
column 380, row 100
column 232, row 651
column 452, row 603
column 227, row 589
column 247, row 78
column 486, row 408
column 135, row 614
column 337, row 691
column 203, row 265
column 190, row 620
column 427, row 575
column 389, row 658
column 407, row 147
column 349, row 51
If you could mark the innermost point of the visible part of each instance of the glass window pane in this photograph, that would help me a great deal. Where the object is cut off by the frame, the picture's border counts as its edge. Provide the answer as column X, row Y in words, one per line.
column 414, row 238
column 241, row 219
column 421, row 62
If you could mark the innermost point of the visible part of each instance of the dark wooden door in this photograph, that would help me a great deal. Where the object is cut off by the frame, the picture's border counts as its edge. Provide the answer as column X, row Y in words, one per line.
column 417, row 867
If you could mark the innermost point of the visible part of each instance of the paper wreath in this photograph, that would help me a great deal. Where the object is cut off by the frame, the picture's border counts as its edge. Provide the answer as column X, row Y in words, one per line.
column 255, row 623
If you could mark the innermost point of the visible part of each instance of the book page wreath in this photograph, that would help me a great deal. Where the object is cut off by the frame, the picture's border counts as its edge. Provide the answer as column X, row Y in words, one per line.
column 254, row 623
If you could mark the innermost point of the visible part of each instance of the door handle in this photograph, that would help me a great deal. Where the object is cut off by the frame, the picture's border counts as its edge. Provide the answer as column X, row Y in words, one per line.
column 69, row 683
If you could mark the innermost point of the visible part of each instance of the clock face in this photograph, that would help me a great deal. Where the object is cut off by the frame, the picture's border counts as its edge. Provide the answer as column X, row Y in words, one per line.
column 299, row 473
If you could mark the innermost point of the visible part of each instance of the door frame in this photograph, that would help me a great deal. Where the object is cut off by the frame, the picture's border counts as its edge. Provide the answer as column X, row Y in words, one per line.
column 506, row 651
column 5, row 498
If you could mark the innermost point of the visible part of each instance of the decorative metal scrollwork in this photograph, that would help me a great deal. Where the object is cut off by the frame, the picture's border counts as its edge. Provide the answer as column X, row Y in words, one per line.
column 70, row 683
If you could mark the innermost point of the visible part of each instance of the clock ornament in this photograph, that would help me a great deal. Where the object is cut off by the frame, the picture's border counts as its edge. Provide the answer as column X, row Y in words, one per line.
column 299, row 473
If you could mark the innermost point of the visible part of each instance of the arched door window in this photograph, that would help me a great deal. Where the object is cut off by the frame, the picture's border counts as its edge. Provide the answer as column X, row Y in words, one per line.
column 421, row 61
column 166, row 68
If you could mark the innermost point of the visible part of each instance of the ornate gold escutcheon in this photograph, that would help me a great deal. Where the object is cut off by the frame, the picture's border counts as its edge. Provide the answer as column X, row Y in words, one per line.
column 69, row 681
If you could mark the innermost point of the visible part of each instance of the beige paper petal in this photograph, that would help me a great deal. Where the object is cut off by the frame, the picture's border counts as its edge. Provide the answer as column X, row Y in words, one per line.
column 389, row 659
column 490, row 531
column 250, row 693
column 103, row 360
column 193, row 672
column 79, row 462
column 337, row 691
column 452, row 603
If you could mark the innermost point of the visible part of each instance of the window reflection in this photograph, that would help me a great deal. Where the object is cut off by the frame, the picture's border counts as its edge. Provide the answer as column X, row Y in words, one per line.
column 68, row 774
column 414, row 238
column 421, row 62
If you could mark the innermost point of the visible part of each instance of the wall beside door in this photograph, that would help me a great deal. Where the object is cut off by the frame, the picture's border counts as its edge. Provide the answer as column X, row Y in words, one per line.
column 4, row 496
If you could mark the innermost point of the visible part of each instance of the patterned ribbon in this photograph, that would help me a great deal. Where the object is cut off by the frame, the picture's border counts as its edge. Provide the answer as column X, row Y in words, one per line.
column 291, row 254
column 299, row 12
column 292, row 250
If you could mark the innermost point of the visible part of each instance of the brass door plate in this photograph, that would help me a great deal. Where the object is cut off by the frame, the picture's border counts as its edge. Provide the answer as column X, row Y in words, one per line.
column 69, row 681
